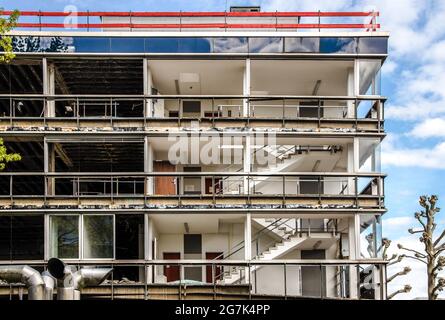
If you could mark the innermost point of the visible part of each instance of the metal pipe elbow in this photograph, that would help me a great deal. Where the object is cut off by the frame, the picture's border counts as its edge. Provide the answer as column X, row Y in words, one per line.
column 87, row 277
column 30, row 277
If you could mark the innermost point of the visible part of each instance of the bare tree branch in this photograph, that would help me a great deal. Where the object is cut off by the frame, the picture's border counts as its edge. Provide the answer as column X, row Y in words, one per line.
column 417, row 253
column 405, row 271
column 406, row 256
column 407, row 288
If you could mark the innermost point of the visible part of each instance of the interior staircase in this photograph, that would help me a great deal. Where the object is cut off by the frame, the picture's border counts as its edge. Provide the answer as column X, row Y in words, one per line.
column 236, row 274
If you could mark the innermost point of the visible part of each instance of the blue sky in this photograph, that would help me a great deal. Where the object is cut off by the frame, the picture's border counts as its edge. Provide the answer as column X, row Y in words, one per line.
column 413, row 154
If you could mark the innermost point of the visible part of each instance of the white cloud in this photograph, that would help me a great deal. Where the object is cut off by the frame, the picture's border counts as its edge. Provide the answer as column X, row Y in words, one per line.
column 429, row 128
column 392, row 155
column 398, row 225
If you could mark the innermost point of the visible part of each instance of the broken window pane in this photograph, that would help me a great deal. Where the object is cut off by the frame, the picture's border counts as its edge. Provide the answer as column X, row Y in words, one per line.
column 64, row 237
column 98, row 236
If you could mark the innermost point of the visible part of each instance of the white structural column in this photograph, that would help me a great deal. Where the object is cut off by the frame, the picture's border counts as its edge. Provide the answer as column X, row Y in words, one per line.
column 148, row 248
column 246, row 88
column 247, row 243
column 354, row 222
column 354, row 254
column 49, row 85
column 356, row 77
column 356, row 159
column 148, row 84
column 148, row 166
column 350, row 167
column 351, row 93
column 247, row 161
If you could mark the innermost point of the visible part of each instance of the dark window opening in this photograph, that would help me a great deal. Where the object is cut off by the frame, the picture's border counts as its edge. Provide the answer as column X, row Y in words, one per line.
column 129, row 236
column 192, row 244
column 21, row 237
column 191, row 109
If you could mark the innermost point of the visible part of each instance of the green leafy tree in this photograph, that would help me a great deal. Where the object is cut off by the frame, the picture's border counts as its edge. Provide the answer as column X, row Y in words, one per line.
column 431, row 255
column 6, row 24
column 6, row 157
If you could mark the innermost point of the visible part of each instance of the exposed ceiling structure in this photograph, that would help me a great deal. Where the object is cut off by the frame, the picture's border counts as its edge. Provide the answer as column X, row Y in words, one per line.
column 101, row 157
column 99, row 76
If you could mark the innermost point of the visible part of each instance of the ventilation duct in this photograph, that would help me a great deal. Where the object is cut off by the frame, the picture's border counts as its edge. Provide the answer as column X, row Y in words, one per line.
column 70, row 281
column 30, row 277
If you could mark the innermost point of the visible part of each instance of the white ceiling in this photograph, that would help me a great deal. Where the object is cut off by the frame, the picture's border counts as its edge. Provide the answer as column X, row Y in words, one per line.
column 215, row 77
column 292, row 77
column 225, row 77
column 198, row 223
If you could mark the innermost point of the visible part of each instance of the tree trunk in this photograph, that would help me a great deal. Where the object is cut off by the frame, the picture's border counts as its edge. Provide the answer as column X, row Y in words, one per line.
column 431, row 280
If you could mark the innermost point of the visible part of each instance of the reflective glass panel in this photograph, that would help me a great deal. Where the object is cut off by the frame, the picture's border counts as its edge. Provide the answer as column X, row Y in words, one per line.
column 64, row 237
column 373, row 45
column 127, row 45
column 266, row 45
column 338, row 45
column 369, row 76
column 98, row 237
column 302, row 45
column 370, row 236
column 230, row 45
column 88, row 44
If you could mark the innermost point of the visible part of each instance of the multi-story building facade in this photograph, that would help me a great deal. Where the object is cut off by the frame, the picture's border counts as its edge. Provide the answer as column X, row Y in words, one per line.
column 201, row 155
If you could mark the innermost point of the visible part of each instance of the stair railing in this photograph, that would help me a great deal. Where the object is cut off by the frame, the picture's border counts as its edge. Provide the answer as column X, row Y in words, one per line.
column 258, row 235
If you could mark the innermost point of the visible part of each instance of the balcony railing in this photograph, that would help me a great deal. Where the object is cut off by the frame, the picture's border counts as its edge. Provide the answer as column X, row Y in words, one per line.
column 113, row 109
column 368, row 277
column 211, row 186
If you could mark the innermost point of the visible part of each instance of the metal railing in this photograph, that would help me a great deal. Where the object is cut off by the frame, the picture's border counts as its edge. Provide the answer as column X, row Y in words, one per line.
column 284, row 184
column 111, row 108
column 223, row 21
column 289, row 271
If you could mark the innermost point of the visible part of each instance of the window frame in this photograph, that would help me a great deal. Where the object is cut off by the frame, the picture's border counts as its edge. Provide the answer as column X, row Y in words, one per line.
column 80, row 232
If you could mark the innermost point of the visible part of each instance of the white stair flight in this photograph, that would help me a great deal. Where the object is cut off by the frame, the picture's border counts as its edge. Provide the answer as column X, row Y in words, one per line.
column 275, row 252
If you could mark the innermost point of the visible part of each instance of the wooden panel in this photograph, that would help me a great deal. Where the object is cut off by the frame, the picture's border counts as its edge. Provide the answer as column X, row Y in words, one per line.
column 164, row 185
column 171, row 272
column 218, row 269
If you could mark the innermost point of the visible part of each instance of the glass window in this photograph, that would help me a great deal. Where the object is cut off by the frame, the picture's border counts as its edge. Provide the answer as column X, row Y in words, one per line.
column 88, row 44
column 195, row 45
column 369, row 155
column 370, row 236
column 302, row 45
column 161, row 45
column 373, row 45
column 127, row 45
column 228, row 45
column 338, row 45
column 178, row 45
column 98, row 236
column 266, row 45
column 64, row 237
column 369, row 76
column 41, row 44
